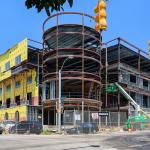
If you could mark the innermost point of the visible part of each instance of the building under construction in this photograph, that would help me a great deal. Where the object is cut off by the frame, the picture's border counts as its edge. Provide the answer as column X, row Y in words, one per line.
column 130, row 67
column 88, row 67
column 29, row 83
column 73, row 49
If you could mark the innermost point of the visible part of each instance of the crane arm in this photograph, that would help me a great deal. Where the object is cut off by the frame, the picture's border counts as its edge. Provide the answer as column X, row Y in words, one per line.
column 127, row 96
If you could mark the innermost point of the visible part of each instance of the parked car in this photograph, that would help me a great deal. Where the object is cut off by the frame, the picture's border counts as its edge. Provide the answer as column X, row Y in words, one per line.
column 84, row 128
column 90, row 127
column 7, row 124
column 1, row 130
column 22, row 127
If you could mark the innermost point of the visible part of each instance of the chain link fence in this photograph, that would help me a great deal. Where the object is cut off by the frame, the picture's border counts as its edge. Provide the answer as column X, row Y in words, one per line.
column 76, row 122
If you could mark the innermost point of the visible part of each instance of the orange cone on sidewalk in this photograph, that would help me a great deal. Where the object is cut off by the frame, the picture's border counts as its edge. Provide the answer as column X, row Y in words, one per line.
column 129, row 130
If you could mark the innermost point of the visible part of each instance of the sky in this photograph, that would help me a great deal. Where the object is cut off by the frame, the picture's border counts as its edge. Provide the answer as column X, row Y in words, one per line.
column 128, row 19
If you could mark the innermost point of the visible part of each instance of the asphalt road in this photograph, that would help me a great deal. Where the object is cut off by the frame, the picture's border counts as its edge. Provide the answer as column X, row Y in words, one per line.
column 109, row 141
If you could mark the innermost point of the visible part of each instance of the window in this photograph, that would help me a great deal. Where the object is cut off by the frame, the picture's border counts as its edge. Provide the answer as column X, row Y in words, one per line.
column 29, row 98
column 7, row 66
column 145, row 83
column 29, row 80
column 18, row 60
column 145, row 101
column 8, row 87
column 6, row 116
column 18, row 84
column 133, row 95
column 0, row 90
column 17, row 100
column 8, row 103
column 17, row 116
column 132, row 78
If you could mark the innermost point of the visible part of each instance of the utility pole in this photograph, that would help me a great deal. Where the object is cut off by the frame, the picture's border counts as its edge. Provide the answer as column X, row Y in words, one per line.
column 59, row 98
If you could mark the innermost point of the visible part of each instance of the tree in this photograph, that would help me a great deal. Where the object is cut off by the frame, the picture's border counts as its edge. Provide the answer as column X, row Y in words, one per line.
column 48, row 5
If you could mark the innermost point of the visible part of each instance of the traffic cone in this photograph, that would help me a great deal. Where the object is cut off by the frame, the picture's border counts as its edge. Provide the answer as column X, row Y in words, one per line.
column 129, row 130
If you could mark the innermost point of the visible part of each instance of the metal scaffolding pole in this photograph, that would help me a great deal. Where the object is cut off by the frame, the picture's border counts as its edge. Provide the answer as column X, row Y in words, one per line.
column 100, row 71
column 83, row 67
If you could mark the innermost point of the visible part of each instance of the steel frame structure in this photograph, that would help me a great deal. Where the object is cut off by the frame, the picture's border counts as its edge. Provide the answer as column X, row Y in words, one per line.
column 122, row 55
column 81, row 76
column 93, row 62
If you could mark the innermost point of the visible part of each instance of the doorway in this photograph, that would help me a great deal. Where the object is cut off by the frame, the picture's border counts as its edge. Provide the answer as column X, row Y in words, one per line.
column 49, row 117
column 17, row 116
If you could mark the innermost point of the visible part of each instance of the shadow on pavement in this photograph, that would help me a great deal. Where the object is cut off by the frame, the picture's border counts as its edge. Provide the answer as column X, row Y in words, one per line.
column 92, row 146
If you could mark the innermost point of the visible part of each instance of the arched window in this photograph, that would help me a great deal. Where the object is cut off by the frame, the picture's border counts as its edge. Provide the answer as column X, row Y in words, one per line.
column 17, row 116
column 6, row 116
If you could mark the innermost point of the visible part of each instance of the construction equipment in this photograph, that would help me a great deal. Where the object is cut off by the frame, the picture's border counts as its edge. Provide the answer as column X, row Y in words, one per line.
column 139, row 121
column 115, row 86
column 132, row 101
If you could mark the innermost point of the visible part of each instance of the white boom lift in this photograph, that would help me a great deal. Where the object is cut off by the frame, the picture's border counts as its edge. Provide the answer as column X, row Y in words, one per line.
column 128, row 97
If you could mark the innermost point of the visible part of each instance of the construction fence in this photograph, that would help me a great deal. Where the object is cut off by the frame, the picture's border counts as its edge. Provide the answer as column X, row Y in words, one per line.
column 90, row 122
column 76, row 122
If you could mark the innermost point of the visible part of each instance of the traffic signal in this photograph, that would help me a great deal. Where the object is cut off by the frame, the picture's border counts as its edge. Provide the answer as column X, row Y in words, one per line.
column 100, row 10
column 149, row 47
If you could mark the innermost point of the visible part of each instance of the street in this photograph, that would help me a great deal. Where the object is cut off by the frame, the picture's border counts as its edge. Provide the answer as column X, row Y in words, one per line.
column 107, row 141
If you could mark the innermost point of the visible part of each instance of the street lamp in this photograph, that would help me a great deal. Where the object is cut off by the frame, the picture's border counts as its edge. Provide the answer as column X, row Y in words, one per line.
column 59, row 100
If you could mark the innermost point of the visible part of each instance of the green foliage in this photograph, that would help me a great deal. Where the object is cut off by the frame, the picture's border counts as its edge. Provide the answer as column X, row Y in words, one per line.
column 48, row 5
column 46, row 132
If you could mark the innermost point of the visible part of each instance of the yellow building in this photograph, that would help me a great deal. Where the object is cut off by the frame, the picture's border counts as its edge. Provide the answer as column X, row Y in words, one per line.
column 19, row 82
